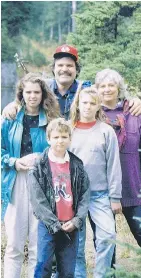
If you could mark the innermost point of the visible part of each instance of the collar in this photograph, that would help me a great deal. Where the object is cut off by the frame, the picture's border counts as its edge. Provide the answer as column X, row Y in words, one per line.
column 82, row 125
column 53, row 158
column 42, row 116
column 72, row 88
column 119, row 106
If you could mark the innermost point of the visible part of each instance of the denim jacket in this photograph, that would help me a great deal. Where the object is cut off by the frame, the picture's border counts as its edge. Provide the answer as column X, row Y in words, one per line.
column 11, row 136
column 42, row 194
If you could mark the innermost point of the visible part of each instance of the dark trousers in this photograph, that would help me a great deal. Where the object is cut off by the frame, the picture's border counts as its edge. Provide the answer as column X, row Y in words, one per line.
column 64, row 247
column 134, row 224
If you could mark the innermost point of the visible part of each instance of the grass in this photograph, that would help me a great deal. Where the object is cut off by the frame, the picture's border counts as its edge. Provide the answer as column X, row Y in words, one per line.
column 125, row 257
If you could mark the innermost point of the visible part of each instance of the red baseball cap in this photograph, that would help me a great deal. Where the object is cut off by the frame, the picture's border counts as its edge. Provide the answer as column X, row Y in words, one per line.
column 66, row 50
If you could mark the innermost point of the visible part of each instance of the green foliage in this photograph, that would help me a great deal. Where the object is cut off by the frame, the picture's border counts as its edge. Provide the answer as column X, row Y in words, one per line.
column 31, row 54
column 7, row 46
column 41, row 21
column 108, row 34
column 38, row 59
column 120, row 271
column 16, row 15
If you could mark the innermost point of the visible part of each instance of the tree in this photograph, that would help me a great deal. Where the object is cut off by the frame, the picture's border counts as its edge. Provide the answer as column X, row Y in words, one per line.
column 73, row 12
column 108, row 34
column 13, row 24
column 15, row 15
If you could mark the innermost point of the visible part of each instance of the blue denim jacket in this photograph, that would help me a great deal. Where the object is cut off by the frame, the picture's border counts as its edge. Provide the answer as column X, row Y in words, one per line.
column 11, row 136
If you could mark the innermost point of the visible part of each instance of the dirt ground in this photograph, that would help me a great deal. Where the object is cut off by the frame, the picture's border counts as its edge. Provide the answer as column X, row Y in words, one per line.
column 125, row 257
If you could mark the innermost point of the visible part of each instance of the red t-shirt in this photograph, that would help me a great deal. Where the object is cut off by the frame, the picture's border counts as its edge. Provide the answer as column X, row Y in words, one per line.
column 62, row 188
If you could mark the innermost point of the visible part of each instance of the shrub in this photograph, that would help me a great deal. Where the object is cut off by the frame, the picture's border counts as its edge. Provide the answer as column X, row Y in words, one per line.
column 38, row 59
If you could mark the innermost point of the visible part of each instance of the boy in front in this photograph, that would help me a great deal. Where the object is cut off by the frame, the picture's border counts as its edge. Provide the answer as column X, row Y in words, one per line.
column 59, row 194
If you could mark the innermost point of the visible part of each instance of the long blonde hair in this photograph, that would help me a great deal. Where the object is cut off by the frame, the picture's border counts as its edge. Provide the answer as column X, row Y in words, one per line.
column 49, row 102
column 74, row 111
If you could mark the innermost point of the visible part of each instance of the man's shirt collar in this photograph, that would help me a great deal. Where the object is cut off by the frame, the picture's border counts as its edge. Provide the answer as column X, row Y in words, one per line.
column 72, row 88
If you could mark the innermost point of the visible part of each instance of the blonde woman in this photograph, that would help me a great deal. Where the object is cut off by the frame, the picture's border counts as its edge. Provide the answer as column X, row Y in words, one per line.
column 95, row 143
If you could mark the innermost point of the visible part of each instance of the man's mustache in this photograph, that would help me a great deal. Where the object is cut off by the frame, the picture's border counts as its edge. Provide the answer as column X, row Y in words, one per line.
column 65, row 72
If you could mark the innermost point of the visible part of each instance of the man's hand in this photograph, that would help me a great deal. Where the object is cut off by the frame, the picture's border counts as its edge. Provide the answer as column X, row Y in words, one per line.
column 135, row 105
column 116, row 208
column 68, row 226
column 10, row 111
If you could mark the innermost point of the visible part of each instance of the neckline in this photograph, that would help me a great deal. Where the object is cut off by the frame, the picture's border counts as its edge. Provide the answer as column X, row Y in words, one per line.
column 81, row 125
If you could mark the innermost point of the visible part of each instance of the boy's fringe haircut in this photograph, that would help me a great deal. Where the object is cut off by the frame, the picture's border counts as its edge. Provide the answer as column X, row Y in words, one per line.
column 60, row 125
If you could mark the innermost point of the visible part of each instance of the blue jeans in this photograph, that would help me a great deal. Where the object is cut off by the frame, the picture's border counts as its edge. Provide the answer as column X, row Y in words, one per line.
column 94, row 239
column 65, row 249
column 80, row 268
column 102, row 216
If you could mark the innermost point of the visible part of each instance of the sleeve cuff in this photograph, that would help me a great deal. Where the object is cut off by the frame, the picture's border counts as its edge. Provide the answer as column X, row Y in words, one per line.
column 10, row 161
column 115, row 200
column 77, row 222
column 56, row 227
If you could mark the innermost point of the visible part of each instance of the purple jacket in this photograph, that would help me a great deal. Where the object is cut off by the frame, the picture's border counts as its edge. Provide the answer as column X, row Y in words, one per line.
column 130, row 157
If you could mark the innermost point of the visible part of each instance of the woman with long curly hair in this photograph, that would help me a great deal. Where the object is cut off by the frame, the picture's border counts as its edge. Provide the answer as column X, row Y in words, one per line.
column 22, row 140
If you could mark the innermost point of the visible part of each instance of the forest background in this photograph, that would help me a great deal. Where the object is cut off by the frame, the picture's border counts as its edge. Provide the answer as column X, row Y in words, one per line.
column 106, row 33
